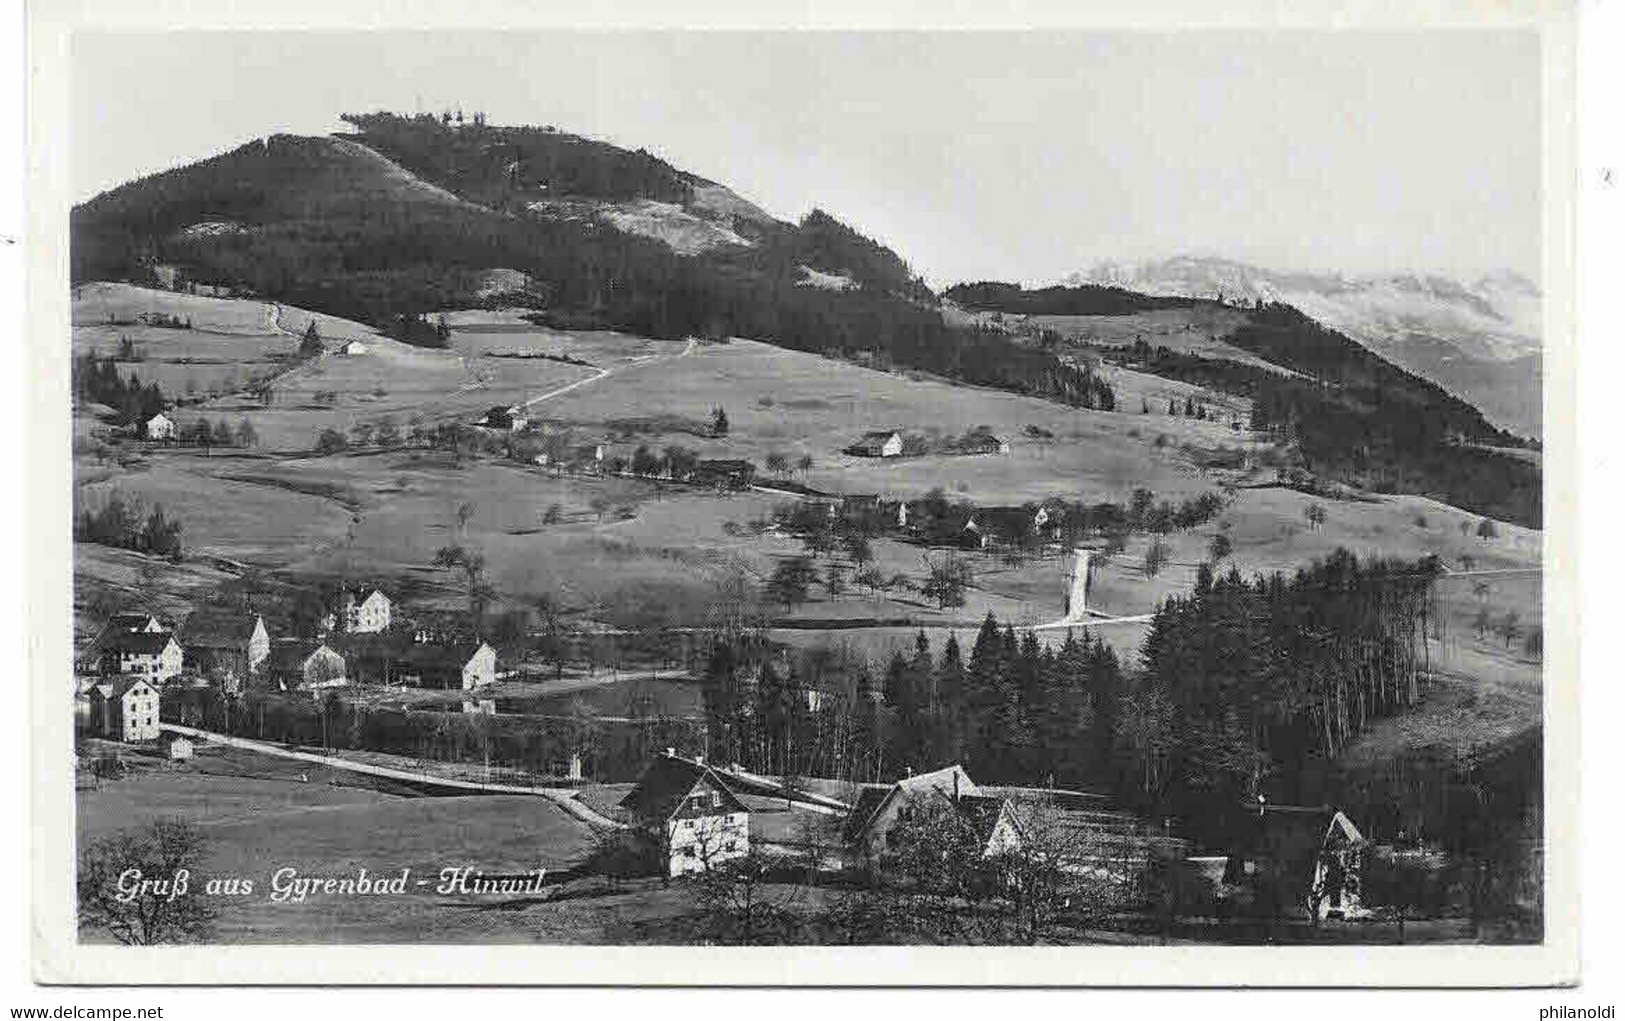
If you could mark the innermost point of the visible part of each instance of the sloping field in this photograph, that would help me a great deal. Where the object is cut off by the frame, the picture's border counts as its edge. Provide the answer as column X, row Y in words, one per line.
column 223, row 514
column 795, row 404
column 257, row 825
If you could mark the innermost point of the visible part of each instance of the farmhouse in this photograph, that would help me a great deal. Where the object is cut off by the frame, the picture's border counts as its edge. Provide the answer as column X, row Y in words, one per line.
column 364, row 611
column 1296, row 859
column 119, row 623
column 225, row 647
column 154, row 655
column 505, row 419
column 878, row 444
column 692, row 816
column 454, row 665
column 724, row 474
column 878, row 808
column 125, row 709
column 295, row 664
column 160, row 427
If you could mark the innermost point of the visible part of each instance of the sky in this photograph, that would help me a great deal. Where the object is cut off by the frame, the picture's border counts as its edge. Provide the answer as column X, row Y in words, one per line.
column 1012, row 156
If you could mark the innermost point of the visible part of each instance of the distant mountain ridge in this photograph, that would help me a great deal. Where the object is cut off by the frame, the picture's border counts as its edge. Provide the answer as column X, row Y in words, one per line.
column 1480, row 338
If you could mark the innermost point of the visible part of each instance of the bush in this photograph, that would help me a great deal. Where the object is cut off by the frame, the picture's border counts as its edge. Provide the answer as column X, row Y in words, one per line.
column 331, row 441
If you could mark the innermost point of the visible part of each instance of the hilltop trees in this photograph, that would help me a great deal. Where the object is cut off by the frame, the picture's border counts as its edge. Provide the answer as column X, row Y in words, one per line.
column 97, row 379
column 123, row 524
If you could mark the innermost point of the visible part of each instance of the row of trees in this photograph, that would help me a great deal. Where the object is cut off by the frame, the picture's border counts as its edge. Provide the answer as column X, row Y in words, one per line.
column 127, row 525
column 1012, row 712
column 98, row 380
column 201, row 433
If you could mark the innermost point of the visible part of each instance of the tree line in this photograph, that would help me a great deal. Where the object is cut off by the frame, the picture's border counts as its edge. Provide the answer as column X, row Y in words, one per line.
column 126, row 525
column 97, row 380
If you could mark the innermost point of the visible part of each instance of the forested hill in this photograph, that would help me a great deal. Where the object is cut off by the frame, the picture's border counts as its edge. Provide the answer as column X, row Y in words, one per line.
column 1083, row 300
column 1354, row 416
column 408, row 216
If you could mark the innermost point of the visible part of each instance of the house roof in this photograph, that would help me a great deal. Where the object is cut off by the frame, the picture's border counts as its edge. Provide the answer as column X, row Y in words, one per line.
column 143, row 643
column 1290, row 836
column 289, row 654
column 982, row 812
column 446, row 655
column 878, row 436
column 872, row 799
column 869, row 801
column 218, row 630
column 667, row 781
column 118, row 687
column 131, row 621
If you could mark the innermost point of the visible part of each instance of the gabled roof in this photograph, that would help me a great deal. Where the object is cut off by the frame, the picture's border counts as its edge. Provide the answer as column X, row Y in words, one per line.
column 1290, row 836
column 132, row 621
column 445, row 655
column 942, row 780
column 982, row 812
column 207, row 630
column 869, row 801
column 667, row 782
column 143, row 643
column 879, row 435
column 118, row 687
column 288, row 655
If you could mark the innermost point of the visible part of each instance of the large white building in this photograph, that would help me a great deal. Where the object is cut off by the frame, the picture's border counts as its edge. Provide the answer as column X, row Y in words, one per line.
column 160, row 427
column 154, row 655
column 694, row 819
column 125, row 709
column 365, row 611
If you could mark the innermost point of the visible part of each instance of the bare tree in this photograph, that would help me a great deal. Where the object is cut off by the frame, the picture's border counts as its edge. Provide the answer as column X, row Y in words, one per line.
column 169, row 908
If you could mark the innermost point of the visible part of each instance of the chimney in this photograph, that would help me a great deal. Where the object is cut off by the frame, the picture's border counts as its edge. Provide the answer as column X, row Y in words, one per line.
column 908, row 771
column 1261, row 806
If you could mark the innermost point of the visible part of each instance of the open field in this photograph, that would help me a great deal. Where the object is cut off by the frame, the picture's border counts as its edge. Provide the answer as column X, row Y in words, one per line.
column 258, row 823
column 795, row 403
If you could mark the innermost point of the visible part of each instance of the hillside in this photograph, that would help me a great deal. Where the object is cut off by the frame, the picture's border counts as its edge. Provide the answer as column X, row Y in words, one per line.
column 1354, row 416
column 1478, row 338
column 412, row 216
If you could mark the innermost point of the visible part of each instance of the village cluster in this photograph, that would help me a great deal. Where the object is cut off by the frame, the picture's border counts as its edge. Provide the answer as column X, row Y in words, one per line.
column 122, row 674
column 1285, row 860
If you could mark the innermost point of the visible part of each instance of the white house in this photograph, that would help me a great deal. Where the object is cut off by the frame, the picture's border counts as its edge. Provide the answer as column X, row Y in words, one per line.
column 365, row 611
column 449, row 665
column 225, row 647
column 160, row 427
column 886, row 443
column 154, row 655
column 125, row 709
column 355, row 347
column 695, row 820
column 990, row 819
column 296, row 664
